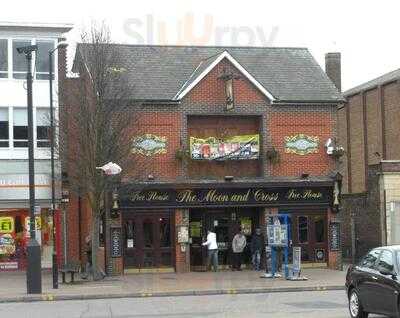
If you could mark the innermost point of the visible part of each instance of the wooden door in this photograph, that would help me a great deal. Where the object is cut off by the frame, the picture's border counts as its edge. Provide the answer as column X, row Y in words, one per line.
column 310, row 233
column 148, row 241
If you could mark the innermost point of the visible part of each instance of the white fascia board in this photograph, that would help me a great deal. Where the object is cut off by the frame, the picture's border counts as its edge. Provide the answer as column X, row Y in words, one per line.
column 230, row 58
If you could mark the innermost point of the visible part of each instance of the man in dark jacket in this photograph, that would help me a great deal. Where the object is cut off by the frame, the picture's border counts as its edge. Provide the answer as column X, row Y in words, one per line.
column 256, row 247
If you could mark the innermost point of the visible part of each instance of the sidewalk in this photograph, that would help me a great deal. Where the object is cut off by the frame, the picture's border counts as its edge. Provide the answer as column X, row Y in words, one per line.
column 167, row 284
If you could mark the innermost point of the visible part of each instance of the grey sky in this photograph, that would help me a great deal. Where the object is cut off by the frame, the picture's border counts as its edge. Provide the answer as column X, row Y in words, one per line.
column 365, row 32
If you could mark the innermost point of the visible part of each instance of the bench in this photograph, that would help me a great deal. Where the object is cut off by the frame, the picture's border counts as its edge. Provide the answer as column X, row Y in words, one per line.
column 71, row 268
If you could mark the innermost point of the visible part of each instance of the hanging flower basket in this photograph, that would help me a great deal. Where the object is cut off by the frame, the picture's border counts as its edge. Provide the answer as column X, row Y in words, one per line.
column 182, row 154
column 338, row 152
column 272, row 155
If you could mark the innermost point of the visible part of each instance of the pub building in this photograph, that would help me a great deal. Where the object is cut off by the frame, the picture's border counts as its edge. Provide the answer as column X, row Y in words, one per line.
column 225, row 136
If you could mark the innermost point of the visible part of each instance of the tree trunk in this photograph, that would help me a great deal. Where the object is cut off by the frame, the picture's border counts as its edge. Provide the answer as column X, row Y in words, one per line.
column 97, row 273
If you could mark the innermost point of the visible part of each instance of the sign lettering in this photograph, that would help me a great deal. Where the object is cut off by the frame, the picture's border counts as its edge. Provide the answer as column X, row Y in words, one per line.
column 226, row 197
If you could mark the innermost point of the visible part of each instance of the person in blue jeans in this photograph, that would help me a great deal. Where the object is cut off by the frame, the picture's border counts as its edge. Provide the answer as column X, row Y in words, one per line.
column 212, row 248
column 256, row 248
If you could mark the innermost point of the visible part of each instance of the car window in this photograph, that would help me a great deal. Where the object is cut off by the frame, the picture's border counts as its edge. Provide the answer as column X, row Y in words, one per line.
column 369, row 260
column 386, row 261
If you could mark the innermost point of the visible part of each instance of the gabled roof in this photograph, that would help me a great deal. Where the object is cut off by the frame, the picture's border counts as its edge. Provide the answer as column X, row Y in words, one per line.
column 206, row 66
column 386, row 78
column 168, row 72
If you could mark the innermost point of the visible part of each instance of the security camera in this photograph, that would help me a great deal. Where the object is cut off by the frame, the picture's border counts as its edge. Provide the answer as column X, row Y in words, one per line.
column 27, row 49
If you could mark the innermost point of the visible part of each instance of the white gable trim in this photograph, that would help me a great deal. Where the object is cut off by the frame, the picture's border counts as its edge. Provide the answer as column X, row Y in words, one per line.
column 181, row 93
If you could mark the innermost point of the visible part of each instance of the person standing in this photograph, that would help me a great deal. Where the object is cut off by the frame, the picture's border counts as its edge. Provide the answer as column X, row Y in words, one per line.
column 256, row 248
column 238, row 245
column 211, row 243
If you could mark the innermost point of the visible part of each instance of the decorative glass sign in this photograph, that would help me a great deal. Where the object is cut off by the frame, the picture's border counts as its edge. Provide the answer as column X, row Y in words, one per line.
column 232, row 148
column 301, row 144
column 149, row 145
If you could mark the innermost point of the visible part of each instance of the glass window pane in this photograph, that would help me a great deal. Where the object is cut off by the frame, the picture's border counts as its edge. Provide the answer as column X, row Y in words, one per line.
column 43, row 117
column 148, row 233
column 319, row 226
column 4, row 127
column 19, row 60
column 20, row 117
column 42, row 56
column 165, row 234
column 20, row 132
column 3, row 57
column 386, row 261
column 20, row 129
column 303, row 229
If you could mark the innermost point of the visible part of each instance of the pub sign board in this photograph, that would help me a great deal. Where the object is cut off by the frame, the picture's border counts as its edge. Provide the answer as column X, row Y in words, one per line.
column 226, row 197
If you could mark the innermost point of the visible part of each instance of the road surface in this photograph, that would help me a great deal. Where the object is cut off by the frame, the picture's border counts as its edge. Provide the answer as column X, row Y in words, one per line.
column 327, row 304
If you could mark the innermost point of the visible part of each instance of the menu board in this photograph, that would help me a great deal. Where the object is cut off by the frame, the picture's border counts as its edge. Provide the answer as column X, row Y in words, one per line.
column 116, row 246
column 334, row 236
column 277, row 235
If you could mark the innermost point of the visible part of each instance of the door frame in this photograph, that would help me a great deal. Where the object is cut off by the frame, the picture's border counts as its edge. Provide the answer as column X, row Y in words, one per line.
column 312, row 246
column 140, row 215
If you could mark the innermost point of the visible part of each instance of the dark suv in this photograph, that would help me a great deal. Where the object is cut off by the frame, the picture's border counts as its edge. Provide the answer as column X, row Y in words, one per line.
column 373, row 285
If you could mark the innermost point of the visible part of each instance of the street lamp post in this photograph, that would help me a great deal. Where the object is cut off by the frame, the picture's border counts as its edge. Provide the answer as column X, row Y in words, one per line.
column 53, row 195
column 34, row 266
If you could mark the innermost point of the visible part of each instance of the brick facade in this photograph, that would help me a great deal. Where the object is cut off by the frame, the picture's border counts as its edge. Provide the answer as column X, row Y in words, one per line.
column 368, row 130
column 274, row 122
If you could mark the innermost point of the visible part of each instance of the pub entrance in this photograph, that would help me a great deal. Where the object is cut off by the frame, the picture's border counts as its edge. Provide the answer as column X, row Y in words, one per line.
column 310, row 232
column 225, row 222
column 148, row 241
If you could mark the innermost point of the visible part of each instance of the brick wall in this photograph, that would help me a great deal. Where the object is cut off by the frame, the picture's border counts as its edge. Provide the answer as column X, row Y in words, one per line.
column 374, row 124
column 211, row 89
column 357, row 144
column 342, row 141
column 391, row 100
column 182, row 257
column 312, row 123
column 163, row 124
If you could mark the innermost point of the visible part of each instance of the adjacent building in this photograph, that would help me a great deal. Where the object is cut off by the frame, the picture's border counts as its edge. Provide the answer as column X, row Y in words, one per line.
column 369, row 132
column 225, row 136
column 14, row 188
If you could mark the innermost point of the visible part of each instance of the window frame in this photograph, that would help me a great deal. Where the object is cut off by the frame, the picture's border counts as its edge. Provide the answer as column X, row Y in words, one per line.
column 32, row 41
column 13, row 135
column 36, row 138
column 43, row 40
column 12, row 40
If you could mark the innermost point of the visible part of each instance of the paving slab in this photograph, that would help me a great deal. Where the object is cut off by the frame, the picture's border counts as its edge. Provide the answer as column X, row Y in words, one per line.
column 167, row 284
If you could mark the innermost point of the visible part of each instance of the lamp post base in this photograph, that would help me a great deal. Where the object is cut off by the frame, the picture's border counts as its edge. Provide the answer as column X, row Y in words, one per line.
column 34, row 268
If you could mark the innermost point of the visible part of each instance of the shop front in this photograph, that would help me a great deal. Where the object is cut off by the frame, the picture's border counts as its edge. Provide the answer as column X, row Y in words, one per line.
column 165, row 224
column 15, row 221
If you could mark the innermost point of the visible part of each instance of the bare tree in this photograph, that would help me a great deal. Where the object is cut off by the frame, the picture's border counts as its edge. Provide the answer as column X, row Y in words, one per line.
column 96, row 124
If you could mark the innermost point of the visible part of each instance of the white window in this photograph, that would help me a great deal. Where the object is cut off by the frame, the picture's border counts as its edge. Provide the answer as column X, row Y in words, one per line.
column 43, row 127
column 4, row 132
column 3, row 58
column 20, row 127
column 19, row 60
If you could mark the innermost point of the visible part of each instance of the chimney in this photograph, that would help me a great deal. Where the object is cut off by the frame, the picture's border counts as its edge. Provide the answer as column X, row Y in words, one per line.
column 333, row 69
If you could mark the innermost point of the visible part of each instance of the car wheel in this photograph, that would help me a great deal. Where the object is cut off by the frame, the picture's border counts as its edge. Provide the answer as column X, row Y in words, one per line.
column 355, row 307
